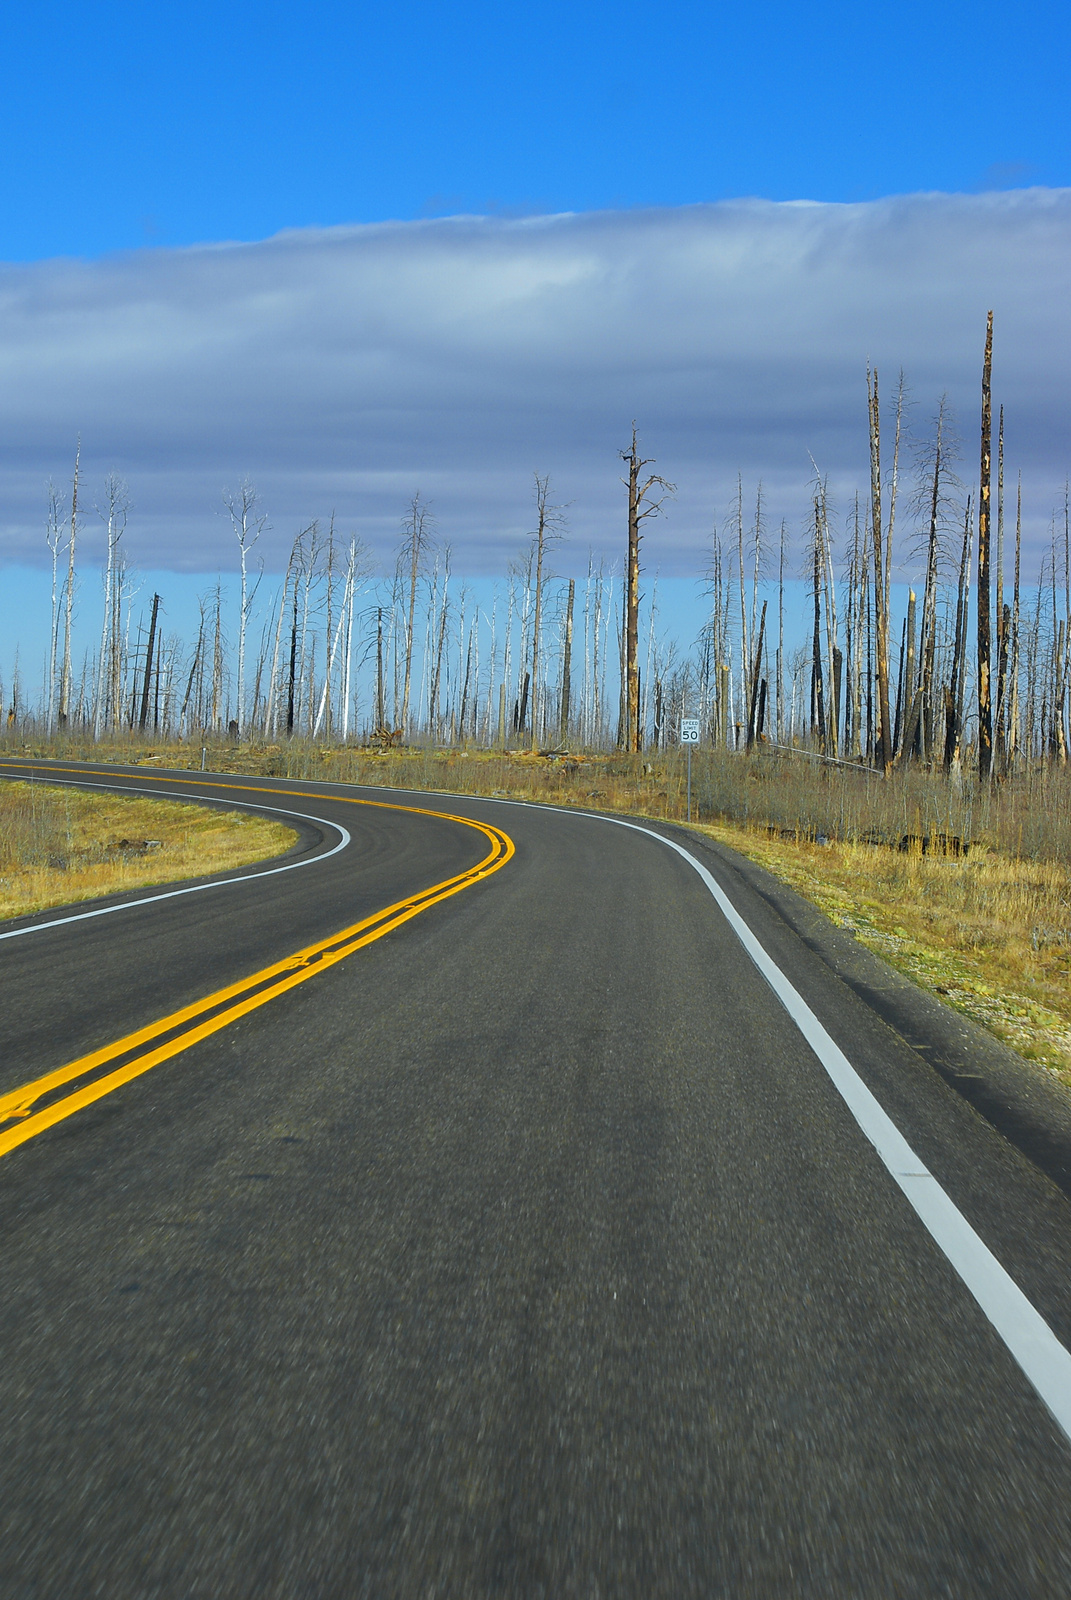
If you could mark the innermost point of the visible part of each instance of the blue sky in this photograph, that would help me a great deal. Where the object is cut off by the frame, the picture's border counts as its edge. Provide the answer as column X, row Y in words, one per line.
column 127, row 125
column 351, row 253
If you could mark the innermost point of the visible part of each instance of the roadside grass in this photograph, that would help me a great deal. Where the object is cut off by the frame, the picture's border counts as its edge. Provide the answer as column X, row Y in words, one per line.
column 58, row 846
column 991, row 936
column 987, row 928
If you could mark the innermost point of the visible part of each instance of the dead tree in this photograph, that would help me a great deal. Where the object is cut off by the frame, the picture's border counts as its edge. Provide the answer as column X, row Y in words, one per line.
column 640, row 507
column 567, row 663
column 754, row 721
column 65, row 676
column 248, row 526
column 1003, row 611
column 415, row 544
column 985, row 706
column 954, row 692
column 881, row 598
column 550, row 525
column 150, row 650
column 818, row 703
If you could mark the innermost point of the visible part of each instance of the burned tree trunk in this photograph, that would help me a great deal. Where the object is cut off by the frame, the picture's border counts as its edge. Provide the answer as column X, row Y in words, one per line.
column 985, row 707
column 752, row 727
column 149, row 652
column 954, row 693
column 567, row 662
column 639, row 509
column 881, row 607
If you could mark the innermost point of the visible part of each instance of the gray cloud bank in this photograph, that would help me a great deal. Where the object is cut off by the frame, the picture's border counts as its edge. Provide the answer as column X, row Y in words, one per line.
column 345, row 368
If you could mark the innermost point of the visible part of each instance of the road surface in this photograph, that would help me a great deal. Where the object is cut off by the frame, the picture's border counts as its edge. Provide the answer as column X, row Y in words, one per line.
column 531, row 1248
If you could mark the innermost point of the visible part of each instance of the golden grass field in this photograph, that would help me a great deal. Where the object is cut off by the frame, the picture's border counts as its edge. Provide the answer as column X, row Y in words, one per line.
column 991, row 935
column 63, row 845
column 989, row 931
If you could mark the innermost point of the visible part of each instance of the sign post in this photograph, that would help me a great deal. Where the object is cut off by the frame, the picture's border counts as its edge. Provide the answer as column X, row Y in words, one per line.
column 689, row 735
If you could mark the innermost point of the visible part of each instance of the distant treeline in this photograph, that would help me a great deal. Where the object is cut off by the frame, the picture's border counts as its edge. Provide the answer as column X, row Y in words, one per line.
column 975, row 669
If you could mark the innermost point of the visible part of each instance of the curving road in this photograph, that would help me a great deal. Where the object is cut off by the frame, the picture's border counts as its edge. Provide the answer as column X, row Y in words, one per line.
column 488, row 1221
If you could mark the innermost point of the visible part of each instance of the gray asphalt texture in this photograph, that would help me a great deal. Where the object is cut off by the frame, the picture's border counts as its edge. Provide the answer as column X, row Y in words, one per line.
column 527, row 1252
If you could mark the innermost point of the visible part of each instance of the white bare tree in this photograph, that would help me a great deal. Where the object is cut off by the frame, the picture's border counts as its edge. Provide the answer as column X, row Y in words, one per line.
column 114, row 516
column 53, row 539
column 248, row 524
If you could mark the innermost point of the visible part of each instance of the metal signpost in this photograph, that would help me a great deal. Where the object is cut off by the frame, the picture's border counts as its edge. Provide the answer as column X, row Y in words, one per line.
column 689, row 735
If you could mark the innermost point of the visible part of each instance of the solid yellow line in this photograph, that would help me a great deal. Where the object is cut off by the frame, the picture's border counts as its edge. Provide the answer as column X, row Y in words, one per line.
column 288, row 973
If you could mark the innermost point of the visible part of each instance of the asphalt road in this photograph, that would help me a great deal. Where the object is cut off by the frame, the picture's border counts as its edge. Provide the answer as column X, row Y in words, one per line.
column 528, row 1251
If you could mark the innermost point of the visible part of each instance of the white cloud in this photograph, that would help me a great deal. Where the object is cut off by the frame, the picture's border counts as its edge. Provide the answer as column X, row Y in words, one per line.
column 345, row 368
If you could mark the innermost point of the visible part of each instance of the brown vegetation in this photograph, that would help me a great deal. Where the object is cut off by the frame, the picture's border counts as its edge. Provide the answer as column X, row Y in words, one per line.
column 964, row 886
column 63, row 845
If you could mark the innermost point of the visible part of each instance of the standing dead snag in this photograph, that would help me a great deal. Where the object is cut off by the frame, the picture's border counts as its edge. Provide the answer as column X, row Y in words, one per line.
column 639, row 508
column 754, row 720
column 567, row 663
column 954, row 692
column 985, row 708
column 550, row 523
column 248, row 525
column 150, row 651
column 818, row 702
column 881, row 593
column 65, row 676
column 1003, row 611
column 416, row 541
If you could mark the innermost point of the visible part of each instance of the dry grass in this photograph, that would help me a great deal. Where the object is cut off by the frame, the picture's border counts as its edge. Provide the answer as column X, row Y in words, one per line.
column 989, row 931
column 63, row 845
column 992, row 936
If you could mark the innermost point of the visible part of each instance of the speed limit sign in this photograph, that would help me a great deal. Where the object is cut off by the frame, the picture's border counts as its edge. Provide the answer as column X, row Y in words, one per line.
column 689, row 730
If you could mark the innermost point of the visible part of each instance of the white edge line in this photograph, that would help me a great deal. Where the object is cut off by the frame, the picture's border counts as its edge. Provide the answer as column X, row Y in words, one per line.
column 1026, row 1334
column 1024, row 1331
column 192, row 888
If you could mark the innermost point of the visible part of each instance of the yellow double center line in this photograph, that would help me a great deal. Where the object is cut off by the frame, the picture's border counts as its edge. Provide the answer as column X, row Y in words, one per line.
column 29, row 1110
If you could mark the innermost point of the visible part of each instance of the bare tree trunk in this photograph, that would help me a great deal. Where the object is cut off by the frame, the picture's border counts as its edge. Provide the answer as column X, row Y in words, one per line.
column 752, row 731
column 745, row 651
column 351, row 600
column 414, row 548
column 780, row 733
column 325, row 693
column 632, row 603
column 567, row 662
column 832, row 650
column 149, row 649
column 1002, row 632
column 194, row 666
column 330, row 633
column 859, row 557
column 53, row 540
column 465, row 687
column 881, row 604
column 985, row 706
column 269, row 713
column 381, row 707
column 954, row 694
column 818, row 704
column 546, row 519
column 436, row 682
column 248, row 527
column 1057, row 740
column 291, row 683
column 912, row 692
column 639, row 509
column 217, row 662
column 900, row 687
column 1062, row 681
column 928, row 639
column 1013, row 671
column 65, row 678
column 868, row 613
